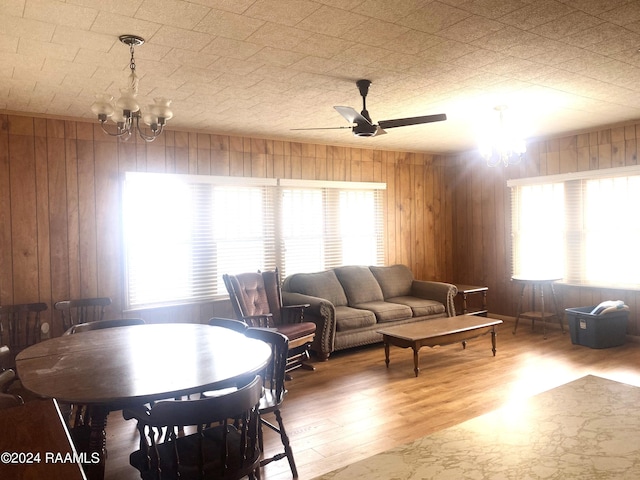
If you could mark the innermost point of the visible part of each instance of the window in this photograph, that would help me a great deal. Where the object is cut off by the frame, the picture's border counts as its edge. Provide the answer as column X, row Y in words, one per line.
column 182, row 232
column 538, row 231
column 578, row 227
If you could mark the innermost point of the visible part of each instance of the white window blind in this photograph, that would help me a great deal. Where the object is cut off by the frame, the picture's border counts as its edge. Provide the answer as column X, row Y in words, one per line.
column 183, row 232
column 579, row 227
column 538, row 230
column 611, row 233
column 325, row 225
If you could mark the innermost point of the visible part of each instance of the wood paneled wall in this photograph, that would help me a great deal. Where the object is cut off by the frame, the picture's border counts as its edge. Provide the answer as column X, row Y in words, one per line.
column 60, row 234
column 482, row 205
column 448, row 218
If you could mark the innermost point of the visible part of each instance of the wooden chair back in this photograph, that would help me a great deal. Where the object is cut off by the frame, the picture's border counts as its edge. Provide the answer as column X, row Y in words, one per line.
column 249, row 298
column 235, row 325
column 100, row 324
column 225, row 443
column 20, row 325
column 81, row 310
column 273, row 376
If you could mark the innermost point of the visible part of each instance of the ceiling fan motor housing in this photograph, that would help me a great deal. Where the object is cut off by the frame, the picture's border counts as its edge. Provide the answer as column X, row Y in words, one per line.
column 363, row 129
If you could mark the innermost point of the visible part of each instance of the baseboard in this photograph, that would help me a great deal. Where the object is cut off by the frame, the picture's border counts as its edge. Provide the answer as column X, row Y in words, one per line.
column 552, row 325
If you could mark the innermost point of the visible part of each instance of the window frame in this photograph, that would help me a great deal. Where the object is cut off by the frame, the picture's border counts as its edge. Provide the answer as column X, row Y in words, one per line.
column 575, row 229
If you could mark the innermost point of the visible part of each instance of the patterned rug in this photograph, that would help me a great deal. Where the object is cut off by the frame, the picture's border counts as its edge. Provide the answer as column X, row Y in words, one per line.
column 585, row 429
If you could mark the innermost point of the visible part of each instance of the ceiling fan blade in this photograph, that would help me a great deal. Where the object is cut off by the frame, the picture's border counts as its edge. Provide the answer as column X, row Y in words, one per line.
column 403, row 122
column 351, row 115
column 380, row 131
column 320, row 128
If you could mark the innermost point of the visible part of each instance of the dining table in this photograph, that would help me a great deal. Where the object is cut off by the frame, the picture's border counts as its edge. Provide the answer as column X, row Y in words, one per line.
column 115, row 368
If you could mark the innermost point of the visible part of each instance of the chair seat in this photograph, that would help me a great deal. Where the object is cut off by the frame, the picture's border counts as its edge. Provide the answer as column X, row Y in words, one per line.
column 299, row 334
column 294, row 331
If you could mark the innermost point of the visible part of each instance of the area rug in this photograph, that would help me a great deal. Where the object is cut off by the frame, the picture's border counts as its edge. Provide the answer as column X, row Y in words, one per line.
column 585, row 429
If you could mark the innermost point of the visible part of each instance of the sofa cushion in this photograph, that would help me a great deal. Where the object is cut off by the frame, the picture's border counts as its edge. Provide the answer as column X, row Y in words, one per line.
column 321, row 284
column 394, row 280
column 419, row 306
column 348, row 318
column 387, row 311
column 359, row 284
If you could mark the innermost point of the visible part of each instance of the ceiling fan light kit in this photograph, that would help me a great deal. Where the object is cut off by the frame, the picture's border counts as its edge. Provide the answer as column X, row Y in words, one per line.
column 126, row 112
column 363, row 126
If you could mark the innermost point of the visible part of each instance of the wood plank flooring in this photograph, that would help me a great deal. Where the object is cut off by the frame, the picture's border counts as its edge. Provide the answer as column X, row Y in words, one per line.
column 352, row 407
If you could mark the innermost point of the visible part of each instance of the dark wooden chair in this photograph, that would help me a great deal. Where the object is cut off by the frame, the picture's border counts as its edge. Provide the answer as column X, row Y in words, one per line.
column 100, row 324
column 273, row 377
column 81, row 310
column 256, row 298
column 20, row 325
column 7, row 377
column 224, row 443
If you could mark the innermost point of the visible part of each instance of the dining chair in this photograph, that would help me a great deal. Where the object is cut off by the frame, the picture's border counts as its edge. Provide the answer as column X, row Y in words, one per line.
column 81, row 310
column 20, row 325
column 256, row 298
column 224, row 443
column 273, row 392
column 100, row 324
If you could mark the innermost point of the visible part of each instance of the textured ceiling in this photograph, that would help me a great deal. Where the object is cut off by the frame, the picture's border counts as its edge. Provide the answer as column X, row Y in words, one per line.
column 263, row 67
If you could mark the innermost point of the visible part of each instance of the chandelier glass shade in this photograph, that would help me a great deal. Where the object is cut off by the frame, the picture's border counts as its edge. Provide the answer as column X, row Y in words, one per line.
column 125, row 112
column 502, row 146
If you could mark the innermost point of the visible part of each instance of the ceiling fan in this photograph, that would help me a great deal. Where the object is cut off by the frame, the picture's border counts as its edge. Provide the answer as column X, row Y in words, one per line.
column 363, row 126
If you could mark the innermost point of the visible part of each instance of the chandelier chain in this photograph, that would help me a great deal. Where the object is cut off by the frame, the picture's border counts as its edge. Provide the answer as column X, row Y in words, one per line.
column 132, row 63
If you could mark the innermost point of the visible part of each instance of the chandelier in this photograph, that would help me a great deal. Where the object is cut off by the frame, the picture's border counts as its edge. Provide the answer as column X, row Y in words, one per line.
column 126, row 112
column 502, row 145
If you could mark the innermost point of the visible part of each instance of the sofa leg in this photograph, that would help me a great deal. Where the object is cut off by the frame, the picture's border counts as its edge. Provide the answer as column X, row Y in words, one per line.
column 322, row 357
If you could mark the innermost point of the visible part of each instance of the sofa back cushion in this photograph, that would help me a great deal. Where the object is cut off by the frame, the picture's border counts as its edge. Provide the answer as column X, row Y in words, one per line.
column 359, row 284
column 395, row 280
column 321, row 284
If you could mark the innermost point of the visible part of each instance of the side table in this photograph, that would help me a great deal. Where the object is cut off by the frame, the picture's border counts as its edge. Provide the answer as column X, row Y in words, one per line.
column 537, row 284
column 465, row 291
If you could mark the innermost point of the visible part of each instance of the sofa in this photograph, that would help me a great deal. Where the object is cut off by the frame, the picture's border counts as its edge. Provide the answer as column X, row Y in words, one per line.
column 349, row 303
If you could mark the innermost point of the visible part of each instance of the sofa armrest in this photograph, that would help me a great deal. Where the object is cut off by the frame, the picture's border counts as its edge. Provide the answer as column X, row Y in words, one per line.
column 439, row 291
column 323, row 314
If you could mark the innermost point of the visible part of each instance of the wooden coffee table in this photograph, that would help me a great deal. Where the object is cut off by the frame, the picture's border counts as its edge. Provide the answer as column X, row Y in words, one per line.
column 439, row 331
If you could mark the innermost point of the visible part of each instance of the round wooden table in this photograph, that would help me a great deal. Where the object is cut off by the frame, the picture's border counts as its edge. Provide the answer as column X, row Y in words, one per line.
column 113, row 368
